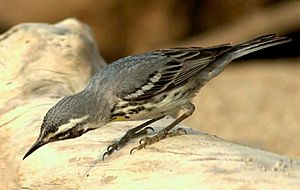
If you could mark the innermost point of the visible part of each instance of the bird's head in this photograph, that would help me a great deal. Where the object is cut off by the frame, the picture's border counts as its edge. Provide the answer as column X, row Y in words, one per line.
column 67, row 119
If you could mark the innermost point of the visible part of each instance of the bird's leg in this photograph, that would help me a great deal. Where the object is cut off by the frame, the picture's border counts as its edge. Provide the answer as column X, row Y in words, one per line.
column 164, row 133
column 130, row 134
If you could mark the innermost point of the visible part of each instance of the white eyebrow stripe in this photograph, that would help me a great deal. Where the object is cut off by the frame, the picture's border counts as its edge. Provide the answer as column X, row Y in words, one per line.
column 70, row 124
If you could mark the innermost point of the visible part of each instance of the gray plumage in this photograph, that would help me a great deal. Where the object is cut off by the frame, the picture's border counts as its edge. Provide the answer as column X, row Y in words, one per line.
column 143, row 86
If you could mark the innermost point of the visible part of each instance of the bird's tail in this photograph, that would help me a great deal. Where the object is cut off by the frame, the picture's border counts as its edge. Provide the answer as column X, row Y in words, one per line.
column 242, row 49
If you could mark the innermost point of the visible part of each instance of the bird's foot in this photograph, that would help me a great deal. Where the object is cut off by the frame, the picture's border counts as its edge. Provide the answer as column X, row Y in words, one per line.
column 131, row 134
column 143, row 143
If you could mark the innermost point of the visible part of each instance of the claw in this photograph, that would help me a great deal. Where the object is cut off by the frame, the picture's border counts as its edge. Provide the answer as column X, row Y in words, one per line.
column 112, row 146
column 141, row 141
column 132, row 150
column 109, row 147
column 105, row 154
column 181, row 130
column 151, row 129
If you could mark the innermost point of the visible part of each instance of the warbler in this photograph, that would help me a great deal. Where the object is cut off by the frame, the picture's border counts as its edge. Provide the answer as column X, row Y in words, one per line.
column 144, row 86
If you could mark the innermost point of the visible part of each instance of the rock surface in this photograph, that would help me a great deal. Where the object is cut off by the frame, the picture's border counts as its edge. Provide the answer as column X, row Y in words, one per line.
column 253, row 103
column 41, row 63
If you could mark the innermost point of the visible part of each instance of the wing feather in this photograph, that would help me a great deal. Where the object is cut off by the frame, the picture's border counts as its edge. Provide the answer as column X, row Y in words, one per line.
column 181, row 65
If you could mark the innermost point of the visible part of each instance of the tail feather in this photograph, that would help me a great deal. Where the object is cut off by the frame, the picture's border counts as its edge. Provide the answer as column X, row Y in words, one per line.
column 262, row 42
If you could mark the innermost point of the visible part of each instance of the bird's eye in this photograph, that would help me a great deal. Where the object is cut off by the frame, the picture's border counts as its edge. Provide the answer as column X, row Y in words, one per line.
column 55, row 127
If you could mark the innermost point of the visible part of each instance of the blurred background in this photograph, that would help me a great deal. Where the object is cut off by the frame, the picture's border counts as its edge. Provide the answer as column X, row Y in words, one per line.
column 256, row 100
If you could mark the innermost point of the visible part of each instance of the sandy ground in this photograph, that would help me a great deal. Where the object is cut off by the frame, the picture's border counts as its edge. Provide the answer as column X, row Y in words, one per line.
column 255, row 103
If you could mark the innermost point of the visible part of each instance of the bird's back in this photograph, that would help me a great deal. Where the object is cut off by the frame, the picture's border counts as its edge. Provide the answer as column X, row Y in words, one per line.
column 146, row 79
column 175, row 66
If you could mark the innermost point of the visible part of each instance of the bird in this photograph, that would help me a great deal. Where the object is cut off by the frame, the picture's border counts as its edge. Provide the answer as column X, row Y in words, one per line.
column 144, row 86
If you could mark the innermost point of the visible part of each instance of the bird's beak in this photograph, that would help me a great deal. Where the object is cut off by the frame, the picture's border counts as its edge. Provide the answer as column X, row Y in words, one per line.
column 34, row 147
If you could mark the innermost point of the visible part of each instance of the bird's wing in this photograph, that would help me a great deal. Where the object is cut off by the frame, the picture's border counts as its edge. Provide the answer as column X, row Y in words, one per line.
column 177, row 65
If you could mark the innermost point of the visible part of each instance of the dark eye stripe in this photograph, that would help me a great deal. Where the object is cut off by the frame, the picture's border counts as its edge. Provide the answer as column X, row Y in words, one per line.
column 71, row 133
column 63, row 135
